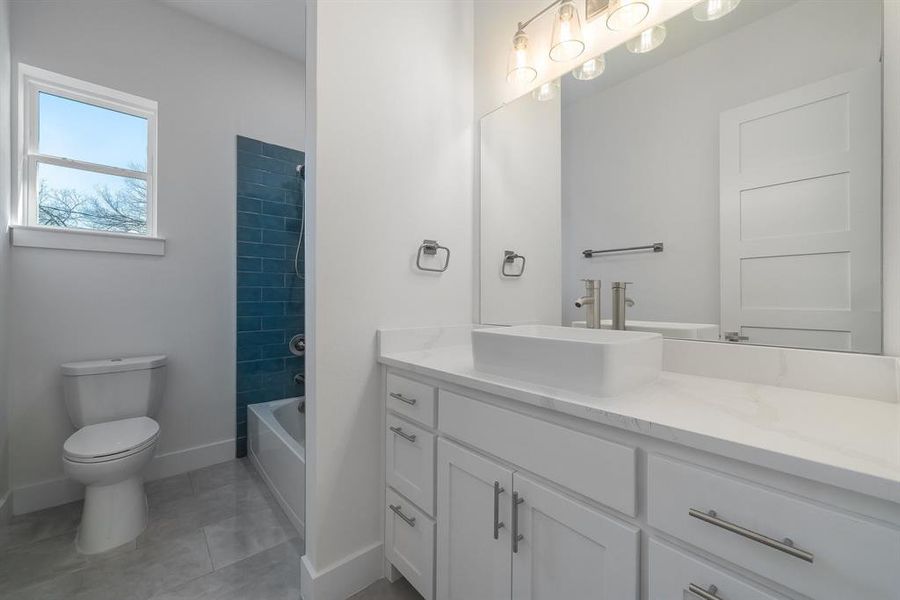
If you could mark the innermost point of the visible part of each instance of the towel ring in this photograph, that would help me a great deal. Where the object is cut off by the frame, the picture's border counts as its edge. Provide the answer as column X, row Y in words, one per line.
column 430, row 248
column 509, row 258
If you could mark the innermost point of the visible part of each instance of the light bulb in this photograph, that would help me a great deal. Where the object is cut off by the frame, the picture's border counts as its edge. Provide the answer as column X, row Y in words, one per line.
column 590, row 69
column 546, row 91
column 625, row 14
column 566, row 42
column 519, row 70
column 710, row 10
column 649, row 39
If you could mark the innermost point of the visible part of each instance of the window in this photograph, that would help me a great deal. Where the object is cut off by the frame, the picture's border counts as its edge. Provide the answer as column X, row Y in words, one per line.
column 87, row 156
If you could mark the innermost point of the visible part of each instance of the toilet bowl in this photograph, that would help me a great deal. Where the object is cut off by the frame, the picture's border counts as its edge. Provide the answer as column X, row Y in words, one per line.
column 108, row 459
column 111, row 402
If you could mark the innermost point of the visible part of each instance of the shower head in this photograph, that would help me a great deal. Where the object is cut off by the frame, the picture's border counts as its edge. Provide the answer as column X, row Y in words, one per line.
column 301, row 170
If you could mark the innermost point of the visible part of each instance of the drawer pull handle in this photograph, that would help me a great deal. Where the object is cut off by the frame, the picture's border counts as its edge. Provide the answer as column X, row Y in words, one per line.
column 707, row 594
column 516, row 536
column 498, row 524
column 786, row 546
column 402, row 398
column 410, row 437
column 411, row 521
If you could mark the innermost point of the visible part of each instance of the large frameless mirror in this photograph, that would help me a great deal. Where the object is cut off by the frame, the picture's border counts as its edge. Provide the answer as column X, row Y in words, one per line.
column 721, row 180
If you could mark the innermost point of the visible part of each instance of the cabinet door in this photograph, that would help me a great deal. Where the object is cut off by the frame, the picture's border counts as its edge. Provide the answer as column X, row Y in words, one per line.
column 569, row 550
column 473, row 560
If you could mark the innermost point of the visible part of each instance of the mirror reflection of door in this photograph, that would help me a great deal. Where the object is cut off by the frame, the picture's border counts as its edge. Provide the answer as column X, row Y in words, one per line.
column 801, row 216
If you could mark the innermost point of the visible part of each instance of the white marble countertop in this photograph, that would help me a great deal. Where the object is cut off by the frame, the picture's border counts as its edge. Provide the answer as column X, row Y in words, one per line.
column 848, row 442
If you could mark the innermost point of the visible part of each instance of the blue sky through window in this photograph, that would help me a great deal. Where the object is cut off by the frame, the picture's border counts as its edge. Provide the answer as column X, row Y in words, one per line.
column 70, row 197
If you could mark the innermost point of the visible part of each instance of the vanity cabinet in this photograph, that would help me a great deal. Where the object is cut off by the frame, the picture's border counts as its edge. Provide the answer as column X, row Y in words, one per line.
column 568, row 549
column 473, row 537
column 491, row 499
column 503, row 535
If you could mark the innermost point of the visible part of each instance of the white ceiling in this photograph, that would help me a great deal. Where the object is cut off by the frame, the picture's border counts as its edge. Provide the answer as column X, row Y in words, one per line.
column 276, row 24
column 684, row 33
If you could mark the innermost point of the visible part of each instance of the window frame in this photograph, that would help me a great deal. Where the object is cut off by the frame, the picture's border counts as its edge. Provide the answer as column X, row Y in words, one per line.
column 33, row 81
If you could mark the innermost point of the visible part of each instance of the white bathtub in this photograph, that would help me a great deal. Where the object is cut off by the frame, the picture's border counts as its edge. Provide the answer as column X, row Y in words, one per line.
column 277, row 448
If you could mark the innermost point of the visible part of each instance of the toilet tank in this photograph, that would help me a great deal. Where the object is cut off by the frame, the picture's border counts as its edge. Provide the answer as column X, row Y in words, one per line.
column 97, row 391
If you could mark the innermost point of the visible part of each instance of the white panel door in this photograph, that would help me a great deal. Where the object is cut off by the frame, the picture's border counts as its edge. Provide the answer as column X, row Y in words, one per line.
column 473, row 558
column 801, row 216
column 569, row 550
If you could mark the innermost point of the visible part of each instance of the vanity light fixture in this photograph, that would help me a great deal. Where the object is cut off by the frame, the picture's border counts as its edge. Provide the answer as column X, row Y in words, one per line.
column 649, row 39
column 710, row 10
column 519, row 68
column 566, row 42
column 546, row 91
column 590, row 69
column 625, row 14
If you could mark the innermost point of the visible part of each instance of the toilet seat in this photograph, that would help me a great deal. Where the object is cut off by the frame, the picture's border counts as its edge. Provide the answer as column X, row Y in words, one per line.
column 112, row 440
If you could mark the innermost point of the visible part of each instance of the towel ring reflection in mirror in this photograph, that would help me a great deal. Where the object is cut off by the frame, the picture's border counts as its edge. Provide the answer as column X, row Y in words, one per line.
column 509, row 259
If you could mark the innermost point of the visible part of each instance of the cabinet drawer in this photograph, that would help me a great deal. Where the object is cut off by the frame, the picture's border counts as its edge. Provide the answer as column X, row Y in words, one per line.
column 411, row 399
column 594, row 467
column 851, row 557
column 409, row 543
column 674, row 572
column 410, row 461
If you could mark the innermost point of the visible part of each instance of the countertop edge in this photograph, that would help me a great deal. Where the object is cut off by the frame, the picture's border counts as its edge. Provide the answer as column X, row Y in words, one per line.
column 842, row 477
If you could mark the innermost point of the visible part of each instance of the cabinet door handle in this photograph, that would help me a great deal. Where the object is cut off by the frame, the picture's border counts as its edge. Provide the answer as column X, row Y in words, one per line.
column 707, row 594
column 786, row 545
column 410, row 437
column 411, row 521
column 402, row 398
column 497, row 523
column 516, row 536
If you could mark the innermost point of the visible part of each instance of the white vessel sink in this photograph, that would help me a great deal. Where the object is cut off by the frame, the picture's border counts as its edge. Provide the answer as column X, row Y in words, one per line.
column 597, row 362
column 681, row 331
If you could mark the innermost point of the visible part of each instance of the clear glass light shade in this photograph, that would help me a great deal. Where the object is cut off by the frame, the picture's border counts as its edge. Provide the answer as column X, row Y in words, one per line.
column 648, row 40
column 590, row 69
column 710, row 10
column 547, row 91
column 625, row 14
column 566, row 42
column 519, row 68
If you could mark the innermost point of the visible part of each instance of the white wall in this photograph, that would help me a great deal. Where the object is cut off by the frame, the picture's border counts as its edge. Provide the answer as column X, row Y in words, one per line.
column 210, row 86
column 640, row 160
column 5, row 187
column 391, row 152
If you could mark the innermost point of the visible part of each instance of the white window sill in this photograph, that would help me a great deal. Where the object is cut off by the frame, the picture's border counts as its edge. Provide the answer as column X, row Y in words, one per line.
column 87, row 241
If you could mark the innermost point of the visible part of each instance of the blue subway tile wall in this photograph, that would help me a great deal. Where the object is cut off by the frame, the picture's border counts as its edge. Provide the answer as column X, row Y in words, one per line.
column 269, row 293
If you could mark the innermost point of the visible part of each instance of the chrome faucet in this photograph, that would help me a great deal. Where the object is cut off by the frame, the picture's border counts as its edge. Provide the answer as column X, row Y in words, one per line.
column 591, row 301
column 619, row 302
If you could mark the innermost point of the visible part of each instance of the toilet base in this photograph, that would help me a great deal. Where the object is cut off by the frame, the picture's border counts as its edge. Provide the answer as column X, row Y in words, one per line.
column 113, row 515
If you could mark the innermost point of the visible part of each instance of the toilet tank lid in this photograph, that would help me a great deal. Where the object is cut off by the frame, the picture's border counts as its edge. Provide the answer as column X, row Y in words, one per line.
column 113, row 365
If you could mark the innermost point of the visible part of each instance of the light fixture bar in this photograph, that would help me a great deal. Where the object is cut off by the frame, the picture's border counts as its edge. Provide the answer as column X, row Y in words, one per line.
column 523, row 25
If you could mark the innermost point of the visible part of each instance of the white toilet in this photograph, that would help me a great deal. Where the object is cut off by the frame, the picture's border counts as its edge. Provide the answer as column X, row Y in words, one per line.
column 112, row 402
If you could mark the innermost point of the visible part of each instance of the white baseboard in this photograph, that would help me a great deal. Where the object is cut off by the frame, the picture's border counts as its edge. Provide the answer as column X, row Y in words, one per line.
column 53, row 492
column 190, row 459
column 45, row 494
column 5, row 508
column 344, row 578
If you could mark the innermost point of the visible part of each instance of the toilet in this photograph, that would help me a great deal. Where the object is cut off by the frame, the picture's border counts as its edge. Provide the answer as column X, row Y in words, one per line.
column 112, row 403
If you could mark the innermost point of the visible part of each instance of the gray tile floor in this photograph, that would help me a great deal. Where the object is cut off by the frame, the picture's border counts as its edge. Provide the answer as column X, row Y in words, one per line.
column 214, row 534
